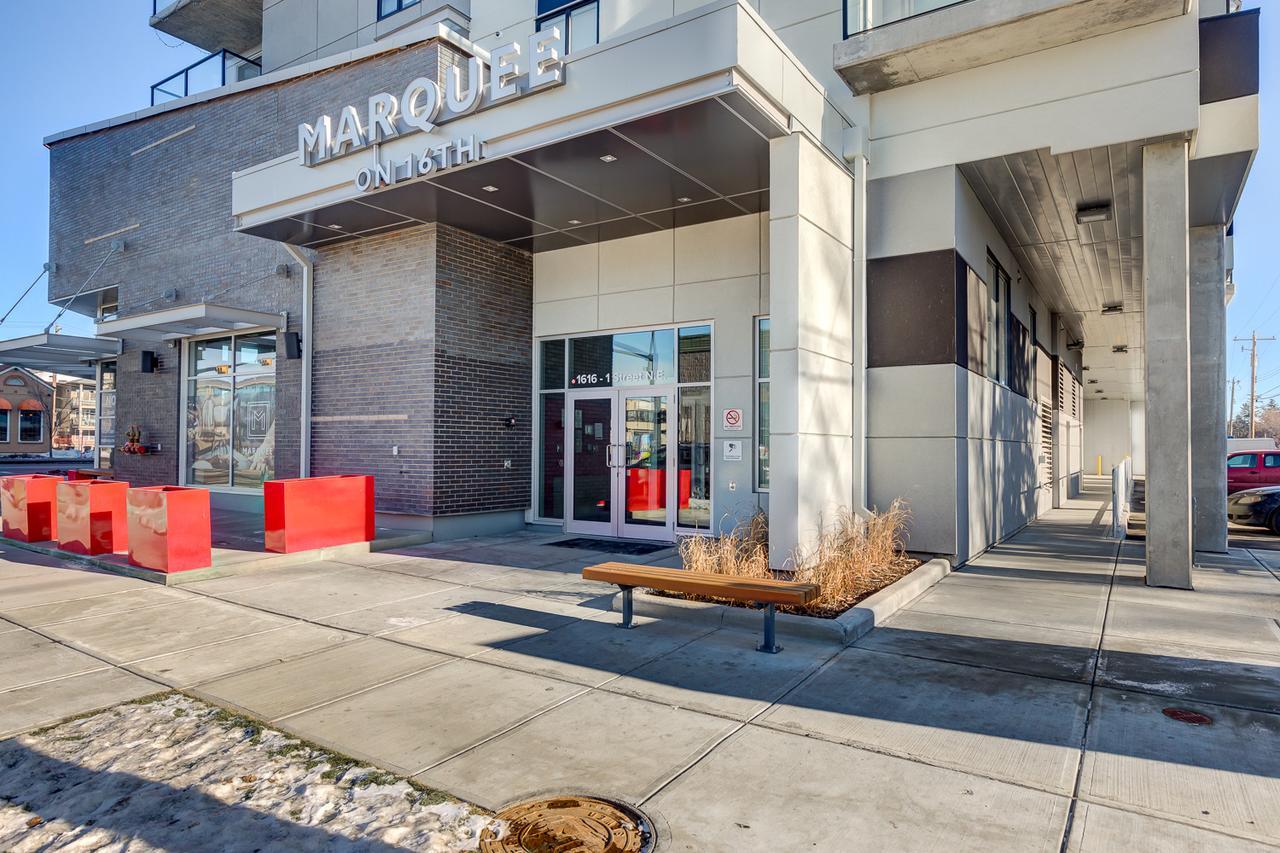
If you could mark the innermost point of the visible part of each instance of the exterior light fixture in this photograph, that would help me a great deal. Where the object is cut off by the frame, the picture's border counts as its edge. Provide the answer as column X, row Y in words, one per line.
column 684, row 199
column 575, row 221
column 1093, row 382
column 608, row 158
column 1093, row 212
column 1120, row 349
column 489, row 188
column 1113, row 308
column 1075, row 345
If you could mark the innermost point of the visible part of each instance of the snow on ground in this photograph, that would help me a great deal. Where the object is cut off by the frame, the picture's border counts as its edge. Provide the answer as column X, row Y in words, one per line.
column 173, row 773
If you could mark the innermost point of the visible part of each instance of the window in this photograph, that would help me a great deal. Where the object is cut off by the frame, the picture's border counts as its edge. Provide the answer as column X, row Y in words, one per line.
column 762, row 404
column 1243, row 460
column 997, row 325
column 579, row 22
column 108, row 304
column 106, row 437
column 30, row 426
column 231, row 410
column 693, row 434
column 1271, row 460
column 387, row 8
column 4, row 426
column 551, row 368
column 15, row 382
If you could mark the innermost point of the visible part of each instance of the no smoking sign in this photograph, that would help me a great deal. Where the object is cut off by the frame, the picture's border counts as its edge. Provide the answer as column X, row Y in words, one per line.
column 733, row 420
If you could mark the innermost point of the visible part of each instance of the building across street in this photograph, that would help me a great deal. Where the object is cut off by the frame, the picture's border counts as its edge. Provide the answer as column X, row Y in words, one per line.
column 646, row 269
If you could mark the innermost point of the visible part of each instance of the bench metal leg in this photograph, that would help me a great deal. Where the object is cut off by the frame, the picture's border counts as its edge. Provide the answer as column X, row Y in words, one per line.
column 770, row 643
column 626, row 607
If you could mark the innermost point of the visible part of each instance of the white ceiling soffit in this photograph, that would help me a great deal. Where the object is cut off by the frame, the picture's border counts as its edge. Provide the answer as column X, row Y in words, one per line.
column 70, row 355
column 203, row 318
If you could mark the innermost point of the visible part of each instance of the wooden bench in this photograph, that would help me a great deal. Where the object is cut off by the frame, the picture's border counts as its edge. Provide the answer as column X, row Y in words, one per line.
column 767, row 592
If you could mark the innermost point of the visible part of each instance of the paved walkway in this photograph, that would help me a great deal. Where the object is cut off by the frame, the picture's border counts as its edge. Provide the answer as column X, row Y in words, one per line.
column 1015, row 706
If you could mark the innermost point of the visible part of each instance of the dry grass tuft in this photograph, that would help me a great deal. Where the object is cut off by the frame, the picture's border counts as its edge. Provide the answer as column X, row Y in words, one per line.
column 853, row 557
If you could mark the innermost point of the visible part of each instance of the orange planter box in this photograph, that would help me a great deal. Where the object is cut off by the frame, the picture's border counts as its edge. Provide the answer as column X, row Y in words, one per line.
column 317, row 512
column 169, row 528
column 92, row 518
column 29, row 507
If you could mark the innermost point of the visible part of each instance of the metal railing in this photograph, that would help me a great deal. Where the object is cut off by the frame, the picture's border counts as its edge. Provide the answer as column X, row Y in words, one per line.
column 217, row 69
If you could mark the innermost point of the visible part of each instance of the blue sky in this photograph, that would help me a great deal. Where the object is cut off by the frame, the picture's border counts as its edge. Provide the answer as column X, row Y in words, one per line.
column 92, row 60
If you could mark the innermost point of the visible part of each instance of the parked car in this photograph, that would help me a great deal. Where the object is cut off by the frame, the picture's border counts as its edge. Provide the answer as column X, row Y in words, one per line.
column 1260, row 507
column 1252, row 468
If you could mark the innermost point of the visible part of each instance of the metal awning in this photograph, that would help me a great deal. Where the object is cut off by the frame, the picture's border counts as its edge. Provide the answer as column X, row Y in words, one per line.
column 70, row 355
column 203, row 318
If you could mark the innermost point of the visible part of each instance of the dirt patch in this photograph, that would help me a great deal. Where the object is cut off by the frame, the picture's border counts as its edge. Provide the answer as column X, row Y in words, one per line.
column 173, row 773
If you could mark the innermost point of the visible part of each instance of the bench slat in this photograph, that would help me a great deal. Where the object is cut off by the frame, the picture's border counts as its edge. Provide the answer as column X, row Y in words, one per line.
column 765, row 591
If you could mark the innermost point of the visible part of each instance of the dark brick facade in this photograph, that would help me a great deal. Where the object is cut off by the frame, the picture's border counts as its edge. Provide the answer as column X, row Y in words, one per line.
column 390, row 369
column 423, row 342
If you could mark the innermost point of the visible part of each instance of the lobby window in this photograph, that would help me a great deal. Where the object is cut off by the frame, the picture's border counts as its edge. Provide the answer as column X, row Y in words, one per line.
column 106, row 431
column 551, row 382
column 387, row 8
column 579, row 22
column 231, row 410
column 693, row 435
column 762, row 404
column 30, row 425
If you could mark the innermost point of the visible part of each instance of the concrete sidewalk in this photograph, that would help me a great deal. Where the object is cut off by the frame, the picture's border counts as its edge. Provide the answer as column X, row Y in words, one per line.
column 1017, row 704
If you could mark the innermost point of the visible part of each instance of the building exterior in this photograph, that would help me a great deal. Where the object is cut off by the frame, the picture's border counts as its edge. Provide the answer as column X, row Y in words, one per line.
column 25, row 403
column 645, row 269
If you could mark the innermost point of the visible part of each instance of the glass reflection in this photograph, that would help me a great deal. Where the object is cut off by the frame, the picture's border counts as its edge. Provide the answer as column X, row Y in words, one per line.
column 645, row 436
column 209, row 432
column 255, row 429
column 693, row 466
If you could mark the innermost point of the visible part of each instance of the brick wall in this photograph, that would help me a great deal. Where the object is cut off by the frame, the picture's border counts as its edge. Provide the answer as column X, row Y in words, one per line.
column 164, row 183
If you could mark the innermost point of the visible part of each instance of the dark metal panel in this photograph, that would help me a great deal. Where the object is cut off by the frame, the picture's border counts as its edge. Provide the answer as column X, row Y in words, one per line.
column 296, row 231
column 633, row 181
column 911, row 309
column 546, row 242
column 528, row 193
column 615, row 230
column 1229, row 56
column 731, row 157
column 428, row 203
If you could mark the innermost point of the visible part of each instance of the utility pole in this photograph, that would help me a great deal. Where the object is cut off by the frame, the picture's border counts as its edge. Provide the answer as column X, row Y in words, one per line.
column 1231, row 410
column 1253, row 378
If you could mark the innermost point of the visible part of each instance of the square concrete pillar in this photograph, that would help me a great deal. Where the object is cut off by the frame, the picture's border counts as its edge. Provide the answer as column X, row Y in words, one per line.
column 1167, row 351
column 811, row 343
column 1209, row 388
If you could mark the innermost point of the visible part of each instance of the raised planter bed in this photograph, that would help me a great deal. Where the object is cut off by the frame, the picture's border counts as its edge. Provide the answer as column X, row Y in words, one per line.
column 169, row 528
column 317, row 512
column 29, row 507
column 842, row 630
column 93, row 516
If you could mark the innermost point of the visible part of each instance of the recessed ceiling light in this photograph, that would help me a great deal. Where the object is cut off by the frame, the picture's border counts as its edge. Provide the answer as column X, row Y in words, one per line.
column 1120, row 349
column 339, row 227
column 575, row 221
column 684, row 199
column 489, row 188
column 608, row 158
column 1093, row 212
column 1113, row 308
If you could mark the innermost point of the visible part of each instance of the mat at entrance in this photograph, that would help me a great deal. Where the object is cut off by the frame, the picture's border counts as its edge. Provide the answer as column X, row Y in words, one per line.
column 631, row 549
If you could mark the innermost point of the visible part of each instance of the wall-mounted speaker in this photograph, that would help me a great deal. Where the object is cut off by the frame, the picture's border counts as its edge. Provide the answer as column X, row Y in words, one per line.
column 292, row 345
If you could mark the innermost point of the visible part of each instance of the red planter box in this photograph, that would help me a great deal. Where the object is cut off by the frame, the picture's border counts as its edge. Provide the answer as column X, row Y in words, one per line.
column 169, row 528
column 29, row 507
column 317, row 512
column 92, row 518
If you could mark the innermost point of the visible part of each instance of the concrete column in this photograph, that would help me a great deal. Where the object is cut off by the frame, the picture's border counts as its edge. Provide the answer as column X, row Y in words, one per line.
column 1208, row 388
column 1166, row 306
column 811, row 343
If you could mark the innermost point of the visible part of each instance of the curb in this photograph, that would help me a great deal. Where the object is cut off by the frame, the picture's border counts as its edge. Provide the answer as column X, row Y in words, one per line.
column 853, row 624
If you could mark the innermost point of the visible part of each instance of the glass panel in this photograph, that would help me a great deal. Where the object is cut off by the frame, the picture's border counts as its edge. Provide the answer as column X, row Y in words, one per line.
column 633, row 358
column 592, row 434
column 255, row 430
column 210, row 358
column 693, row 466
column 4, row 426
column 558, row 21
column 1248, row 460
column 256, row 353
column 887, row 11
column 645, row 437
column 109, row 376
column 695, row 354
column 1271, row 460
column 552, row 365
column 388, row 7
column 762, row 429
column 209, row 432
column 30, row 426
column 551, row 460
column 762, row 348
column 584, row 27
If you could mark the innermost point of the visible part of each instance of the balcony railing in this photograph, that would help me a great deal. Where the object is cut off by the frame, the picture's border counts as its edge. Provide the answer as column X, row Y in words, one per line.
column 217, row 69
column 861, row 15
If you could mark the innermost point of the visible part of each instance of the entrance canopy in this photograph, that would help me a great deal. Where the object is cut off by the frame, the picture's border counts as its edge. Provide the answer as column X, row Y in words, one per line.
column 70, row 355
column 202, row 318
column 700, row 162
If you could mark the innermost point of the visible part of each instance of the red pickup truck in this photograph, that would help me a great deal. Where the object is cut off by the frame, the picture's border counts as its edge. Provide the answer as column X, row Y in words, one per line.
column 1248, row 469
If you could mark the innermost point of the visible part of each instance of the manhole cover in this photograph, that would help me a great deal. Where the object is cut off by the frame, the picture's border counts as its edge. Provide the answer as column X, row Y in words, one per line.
column 570, row 825
column 1185, row 715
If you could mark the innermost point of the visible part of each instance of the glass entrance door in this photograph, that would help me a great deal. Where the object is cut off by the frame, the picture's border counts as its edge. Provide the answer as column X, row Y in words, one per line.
column 619, row 470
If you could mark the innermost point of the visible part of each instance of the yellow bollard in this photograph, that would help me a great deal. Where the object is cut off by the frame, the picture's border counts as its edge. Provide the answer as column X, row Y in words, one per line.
column 1099, row 465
